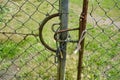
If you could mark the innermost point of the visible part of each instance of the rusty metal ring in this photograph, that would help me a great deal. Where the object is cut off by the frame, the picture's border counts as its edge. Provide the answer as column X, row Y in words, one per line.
column 41, row 30
column 65, row 30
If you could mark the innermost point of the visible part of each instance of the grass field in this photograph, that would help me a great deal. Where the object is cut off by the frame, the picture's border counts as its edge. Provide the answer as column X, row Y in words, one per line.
column 102, row 44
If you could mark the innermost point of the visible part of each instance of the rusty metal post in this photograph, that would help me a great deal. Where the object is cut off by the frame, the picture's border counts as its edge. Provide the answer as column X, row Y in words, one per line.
column 82, row 27
column 62, row 45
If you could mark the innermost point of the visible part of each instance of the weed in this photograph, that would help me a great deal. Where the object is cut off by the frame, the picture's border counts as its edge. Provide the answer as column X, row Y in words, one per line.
column 8, row 50
column 3, row 12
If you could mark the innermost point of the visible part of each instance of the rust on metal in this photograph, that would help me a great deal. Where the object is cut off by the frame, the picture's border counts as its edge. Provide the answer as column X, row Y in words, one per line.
column 56, row 32
column 41, row 30
column 82, row 27
column 65, row 30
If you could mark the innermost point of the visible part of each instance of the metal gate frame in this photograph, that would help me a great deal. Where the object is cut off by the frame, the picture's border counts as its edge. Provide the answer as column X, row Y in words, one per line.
column 82, row 29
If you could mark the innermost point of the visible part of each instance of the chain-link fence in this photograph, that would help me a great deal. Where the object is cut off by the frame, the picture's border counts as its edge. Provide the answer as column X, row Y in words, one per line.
column 101, row 59
column 23, row 57
column 102, row 46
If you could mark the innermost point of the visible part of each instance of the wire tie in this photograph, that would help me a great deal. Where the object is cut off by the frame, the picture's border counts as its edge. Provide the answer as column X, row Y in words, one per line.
column 81, row 39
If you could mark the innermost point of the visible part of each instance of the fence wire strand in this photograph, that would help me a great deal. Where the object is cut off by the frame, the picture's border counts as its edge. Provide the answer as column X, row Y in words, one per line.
column 22, row 56
column 101, row 59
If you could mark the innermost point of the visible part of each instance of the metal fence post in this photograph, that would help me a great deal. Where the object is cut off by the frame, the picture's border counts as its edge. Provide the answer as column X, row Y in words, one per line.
column 64, row 23
column 82, row 28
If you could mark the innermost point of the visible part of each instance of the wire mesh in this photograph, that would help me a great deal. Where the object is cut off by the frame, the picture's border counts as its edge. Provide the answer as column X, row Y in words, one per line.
column 102, row 49
column 101, row 60
column 22, row 56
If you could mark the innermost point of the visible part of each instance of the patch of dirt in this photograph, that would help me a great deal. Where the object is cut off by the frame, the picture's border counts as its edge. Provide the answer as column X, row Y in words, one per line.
column 9, row 73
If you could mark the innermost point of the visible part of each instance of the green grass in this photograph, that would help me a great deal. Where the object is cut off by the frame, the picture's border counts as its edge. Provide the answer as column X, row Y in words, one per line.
column 26, row 54
column 3, row 12
column 105, row 7
column 101, row 49
column 8, row 50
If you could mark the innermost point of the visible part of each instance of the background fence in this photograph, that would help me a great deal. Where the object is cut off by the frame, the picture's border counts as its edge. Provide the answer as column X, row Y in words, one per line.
column 23, row 57
column 103, row 41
